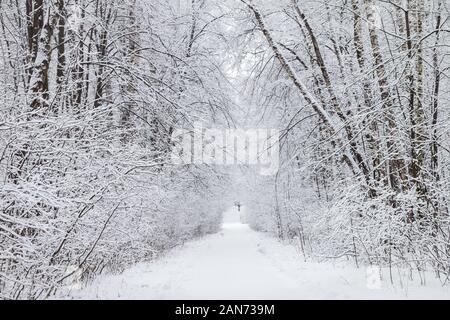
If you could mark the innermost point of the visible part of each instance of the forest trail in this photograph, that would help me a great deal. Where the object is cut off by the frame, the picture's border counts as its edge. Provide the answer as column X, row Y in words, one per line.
column 239, row 263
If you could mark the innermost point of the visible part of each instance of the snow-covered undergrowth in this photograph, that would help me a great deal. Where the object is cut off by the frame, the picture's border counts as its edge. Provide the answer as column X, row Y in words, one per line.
column 87, row 183
column 364, row 160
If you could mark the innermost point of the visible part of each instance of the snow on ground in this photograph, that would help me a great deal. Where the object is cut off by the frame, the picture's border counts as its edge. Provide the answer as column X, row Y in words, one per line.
column 239, row 263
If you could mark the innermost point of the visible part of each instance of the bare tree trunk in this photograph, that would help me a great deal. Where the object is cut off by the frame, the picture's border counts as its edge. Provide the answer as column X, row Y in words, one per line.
column 395, row 164
column 60, row 69
column 130, row 106
column 35, row 22
column 373, row 133
column 108, row 12
column 417, row 113
column 435, row 100
column 39, row 81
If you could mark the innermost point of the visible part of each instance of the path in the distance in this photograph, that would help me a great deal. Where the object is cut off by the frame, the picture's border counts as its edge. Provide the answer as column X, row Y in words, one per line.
column 238, row 263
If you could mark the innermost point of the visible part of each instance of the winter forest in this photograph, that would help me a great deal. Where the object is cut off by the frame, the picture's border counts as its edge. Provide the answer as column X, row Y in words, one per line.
column 92, row 92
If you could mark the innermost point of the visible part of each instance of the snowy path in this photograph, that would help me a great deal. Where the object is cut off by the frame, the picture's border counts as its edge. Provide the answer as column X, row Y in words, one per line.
column 238, row 263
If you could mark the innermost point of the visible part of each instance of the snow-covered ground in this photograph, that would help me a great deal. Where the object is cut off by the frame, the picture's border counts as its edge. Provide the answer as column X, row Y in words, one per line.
column 239, row 263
